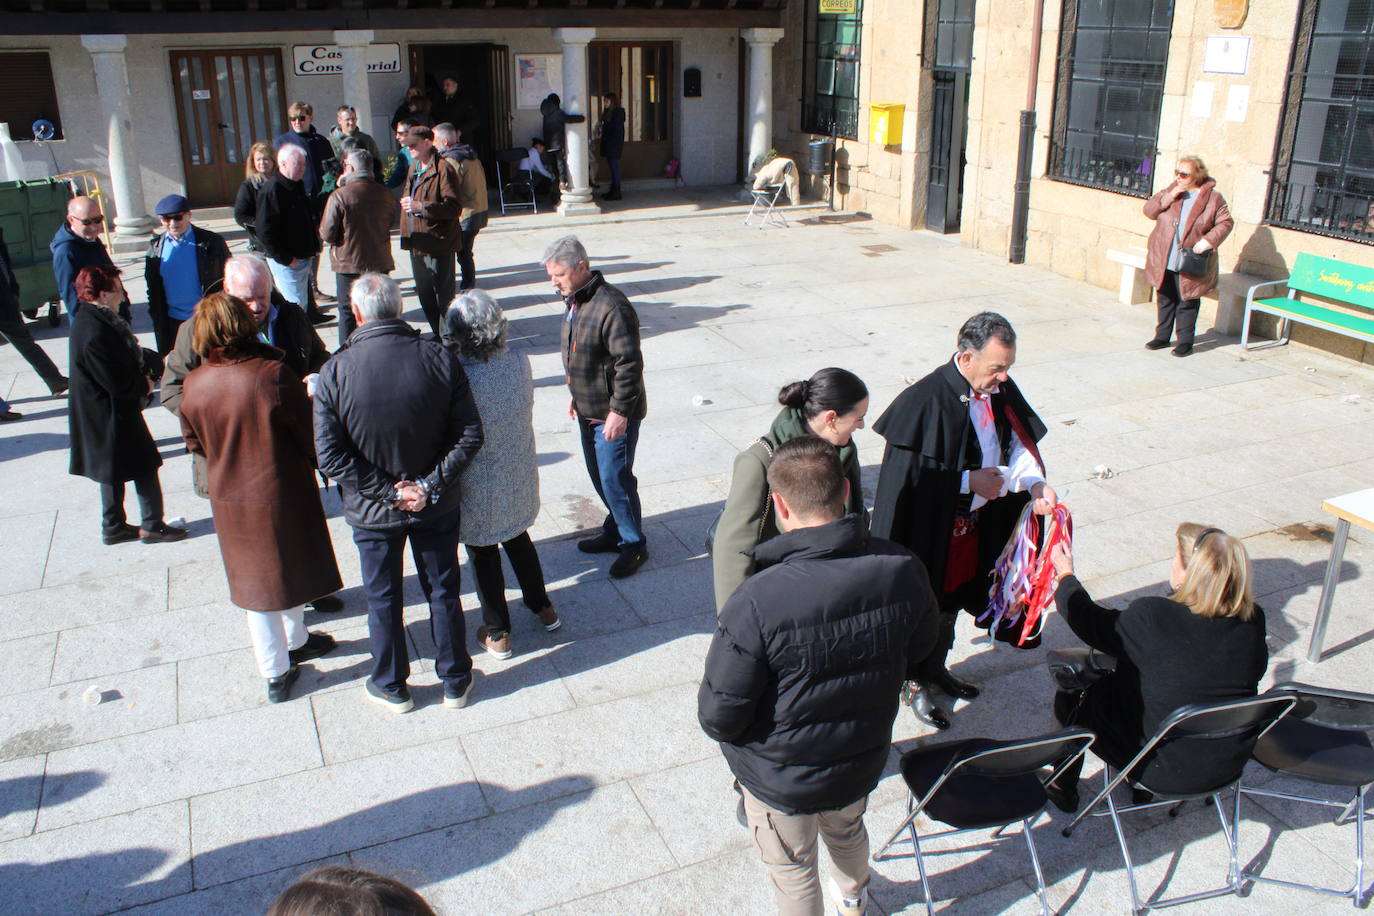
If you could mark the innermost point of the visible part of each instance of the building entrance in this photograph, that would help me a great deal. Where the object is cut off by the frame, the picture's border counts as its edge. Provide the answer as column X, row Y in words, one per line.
column 226, row 100
column 482, row 107
column 641, row 73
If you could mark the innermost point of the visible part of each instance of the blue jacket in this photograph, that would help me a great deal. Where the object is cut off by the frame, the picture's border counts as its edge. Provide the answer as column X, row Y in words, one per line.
column 70, row 253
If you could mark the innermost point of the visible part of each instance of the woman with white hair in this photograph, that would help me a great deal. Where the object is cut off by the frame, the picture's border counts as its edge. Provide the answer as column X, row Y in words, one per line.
column 501, row 486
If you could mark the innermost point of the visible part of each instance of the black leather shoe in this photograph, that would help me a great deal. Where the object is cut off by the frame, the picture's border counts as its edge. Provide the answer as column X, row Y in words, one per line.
column 1156, row 344
column 927, row 712
column 1065, row 800
column 161, row 533
column 329, row 604
column 1183, row 349
column 955, row 687
column 279, row 688
column 630, row 559
column 120, row 535
column 318, row 317
column 602, row 543
column 315, row 645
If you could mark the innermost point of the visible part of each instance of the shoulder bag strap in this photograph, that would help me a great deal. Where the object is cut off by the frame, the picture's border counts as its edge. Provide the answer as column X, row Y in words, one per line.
column 767, row 489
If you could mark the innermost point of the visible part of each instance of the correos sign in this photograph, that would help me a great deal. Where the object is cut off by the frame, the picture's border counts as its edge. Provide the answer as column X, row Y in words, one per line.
column 327, row 60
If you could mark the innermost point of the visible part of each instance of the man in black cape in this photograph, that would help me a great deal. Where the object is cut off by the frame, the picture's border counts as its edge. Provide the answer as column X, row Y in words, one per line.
column 961, row 463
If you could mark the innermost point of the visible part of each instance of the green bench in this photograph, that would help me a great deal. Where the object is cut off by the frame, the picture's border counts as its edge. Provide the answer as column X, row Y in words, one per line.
column 1339, row 282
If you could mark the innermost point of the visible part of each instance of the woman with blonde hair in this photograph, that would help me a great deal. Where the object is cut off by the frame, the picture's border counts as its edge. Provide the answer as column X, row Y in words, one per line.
column 260, row 165
column 248, row 414
column 1202, row 644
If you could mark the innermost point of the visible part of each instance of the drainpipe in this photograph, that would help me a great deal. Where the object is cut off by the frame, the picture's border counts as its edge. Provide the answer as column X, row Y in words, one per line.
column 1020, row 205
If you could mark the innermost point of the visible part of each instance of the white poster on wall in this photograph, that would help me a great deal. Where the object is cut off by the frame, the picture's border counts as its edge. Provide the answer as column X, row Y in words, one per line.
column 1226, row 54
column 536, row 75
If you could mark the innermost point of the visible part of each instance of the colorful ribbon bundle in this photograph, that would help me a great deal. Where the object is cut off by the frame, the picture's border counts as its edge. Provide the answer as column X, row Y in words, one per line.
column 1024, row 579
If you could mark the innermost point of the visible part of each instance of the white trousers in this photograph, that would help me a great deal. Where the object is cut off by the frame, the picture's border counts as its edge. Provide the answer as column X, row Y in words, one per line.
column 274, row 633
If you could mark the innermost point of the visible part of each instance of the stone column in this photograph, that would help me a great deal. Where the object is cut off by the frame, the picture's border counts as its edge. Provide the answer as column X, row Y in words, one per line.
column 356, row 91
column 112, row 84
column 758, row 94
column 577, row 201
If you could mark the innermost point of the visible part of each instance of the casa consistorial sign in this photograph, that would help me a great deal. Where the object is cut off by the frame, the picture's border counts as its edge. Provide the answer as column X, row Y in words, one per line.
column 327, row 60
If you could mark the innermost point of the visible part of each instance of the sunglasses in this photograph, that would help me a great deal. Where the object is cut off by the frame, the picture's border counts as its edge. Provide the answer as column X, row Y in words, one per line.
column 172, row 217
column 1184, row 174
column 92, row 221
column 299, row 118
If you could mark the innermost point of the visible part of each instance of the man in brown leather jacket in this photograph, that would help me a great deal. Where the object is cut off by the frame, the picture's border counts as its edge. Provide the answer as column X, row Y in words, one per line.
column 357, row 223
column 430, row 229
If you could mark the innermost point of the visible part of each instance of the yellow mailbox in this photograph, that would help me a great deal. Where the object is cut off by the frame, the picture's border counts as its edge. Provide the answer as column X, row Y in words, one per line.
column 885, row 124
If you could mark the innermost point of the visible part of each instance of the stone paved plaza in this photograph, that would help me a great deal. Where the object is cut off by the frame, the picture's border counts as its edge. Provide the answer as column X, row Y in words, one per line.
column 579, row 781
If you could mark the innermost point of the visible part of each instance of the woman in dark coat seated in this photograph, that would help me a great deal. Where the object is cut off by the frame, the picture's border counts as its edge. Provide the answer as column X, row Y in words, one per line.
column 110, row 386
column 1203, row 644
column 249, row 415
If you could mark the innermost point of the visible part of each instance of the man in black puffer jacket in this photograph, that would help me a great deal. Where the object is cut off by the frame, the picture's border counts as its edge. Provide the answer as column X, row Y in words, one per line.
column 395, row 424
column 803, row 676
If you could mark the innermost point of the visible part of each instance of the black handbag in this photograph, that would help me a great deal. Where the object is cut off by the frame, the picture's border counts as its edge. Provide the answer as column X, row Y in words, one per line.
column 1195, row 263
column 1075, row 670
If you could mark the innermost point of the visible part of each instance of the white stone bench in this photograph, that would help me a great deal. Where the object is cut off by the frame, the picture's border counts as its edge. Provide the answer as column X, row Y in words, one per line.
column 1134, row 289
column 1231, row 291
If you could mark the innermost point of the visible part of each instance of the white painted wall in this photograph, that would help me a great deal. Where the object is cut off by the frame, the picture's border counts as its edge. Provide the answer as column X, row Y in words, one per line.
column 706, row 126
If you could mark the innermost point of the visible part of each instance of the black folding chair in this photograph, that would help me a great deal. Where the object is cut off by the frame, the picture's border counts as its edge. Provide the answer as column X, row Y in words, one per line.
column 979, row 783
column 1324, row 740
column 1230, row 727
column 511, row 179
column 767, row 198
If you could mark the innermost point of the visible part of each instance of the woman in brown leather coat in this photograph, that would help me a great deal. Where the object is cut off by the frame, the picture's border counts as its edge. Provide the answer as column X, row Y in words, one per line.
column 249, row 415
column 1190, row 213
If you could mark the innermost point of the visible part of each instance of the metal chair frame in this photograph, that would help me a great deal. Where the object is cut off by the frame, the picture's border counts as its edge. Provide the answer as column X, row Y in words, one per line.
column 1305, row 695
column 768, row 198
column 1051, row 748
column 1279, row 705
column 505, row 183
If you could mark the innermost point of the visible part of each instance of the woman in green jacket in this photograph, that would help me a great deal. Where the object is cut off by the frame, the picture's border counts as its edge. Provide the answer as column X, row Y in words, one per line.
column 831, row 406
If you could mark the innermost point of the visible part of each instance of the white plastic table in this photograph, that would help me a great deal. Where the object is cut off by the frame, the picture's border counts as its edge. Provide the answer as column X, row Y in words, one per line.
column 1356, row 508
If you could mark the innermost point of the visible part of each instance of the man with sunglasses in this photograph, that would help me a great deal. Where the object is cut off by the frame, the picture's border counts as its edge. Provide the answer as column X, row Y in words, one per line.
column 180, row 266
column 75, row 245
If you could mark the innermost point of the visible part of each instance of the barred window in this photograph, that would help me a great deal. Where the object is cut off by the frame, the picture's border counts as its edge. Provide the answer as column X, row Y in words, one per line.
column 1108, row 92
column 1323, row 175
column 830, row 72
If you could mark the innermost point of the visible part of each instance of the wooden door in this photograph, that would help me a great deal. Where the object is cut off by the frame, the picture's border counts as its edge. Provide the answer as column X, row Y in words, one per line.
column 226, row 101
column 642, row 74
column 483, row 75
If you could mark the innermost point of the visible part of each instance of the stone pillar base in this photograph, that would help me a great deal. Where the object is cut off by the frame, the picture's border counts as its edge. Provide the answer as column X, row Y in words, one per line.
column 578, row 208
column 141, row 226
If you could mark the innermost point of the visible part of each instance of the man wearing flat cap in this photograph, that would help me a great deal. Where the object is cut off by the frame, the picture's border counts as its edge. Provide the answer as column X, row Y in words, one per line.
column 181, row 265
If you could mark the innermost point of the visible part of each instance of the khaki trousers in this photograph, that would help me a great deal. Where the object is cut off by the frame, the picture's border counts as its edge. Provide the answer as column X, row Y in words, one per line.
column 787, row 845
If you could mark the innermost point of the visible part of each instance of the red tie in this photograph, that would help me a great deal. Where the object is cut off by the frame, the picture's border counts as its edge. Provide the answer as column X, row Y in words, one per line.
column 984, row 415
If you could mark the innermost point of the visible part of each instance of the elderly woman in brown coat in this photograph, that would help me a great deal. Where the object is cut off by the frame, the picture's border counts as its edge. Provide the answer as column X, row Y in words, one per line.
column 249, row 415
column 1189, row 214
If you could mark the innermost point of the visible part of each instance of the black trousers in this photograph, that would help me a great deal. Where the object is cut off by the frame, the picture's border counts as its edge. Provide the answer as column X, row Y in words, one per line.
column 922, row 671
column 165, row 330
column 466, row 263
column 18, row 334
column 491, row 580
column 1177, row 316
column 112, row 503
column 433, row 286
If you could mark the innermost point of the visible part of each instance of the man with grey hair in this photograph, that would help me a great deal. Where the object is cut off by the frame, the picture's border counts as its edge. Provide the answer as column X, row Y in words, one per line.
column 605, row 369
column 357, row 225
column 472, row 196
column 960, row 465
column 286, row 227
column 395, row 425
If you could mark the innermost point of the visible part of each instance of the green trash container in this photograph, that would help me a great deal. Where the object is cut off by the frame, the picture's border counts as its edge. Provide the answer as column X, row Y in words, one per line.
column 30, row 212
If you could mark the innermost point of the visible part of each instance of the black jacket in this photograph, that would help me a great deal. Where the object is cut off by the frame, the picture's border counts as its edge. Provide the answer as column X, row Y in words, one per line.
column 211, row 253
column 389, row 407
column 285, row 222
column 1167, row 657
column 555, row 121
column 803, row 674
column 109, row 438
column 246, row 211
column 70, row 253
column 613, row 132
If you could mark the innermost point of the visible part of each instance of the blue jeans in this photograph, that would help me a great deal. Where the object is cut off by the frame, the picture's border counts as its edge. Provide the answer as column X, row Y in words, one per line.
column 435, row 549
column 611, row 468
column 293, row 282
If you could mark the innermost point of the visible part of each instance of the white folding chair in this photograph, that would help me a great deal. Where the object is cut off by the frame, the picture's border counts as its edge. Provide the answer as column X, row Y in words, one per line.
column 767, row 198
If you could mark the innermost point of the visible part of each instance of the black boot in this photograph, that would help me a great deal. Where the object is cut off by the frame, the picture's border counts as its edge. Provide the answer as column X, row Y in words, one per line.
column 926, row 710
column 951, row 685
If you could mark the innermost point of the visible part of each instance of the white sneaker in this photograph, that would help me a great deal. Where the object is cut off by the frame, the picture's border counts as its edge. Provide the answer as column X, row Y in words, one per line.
column 847, row 906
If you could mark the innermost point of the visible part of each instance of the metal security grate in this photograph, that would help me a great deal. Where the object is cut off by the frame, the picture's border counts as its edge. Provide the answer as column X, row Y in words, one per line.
column 1109, row 89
